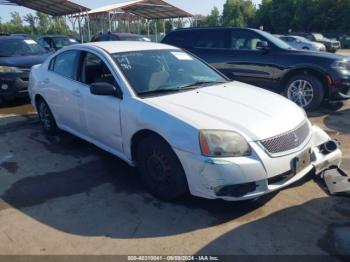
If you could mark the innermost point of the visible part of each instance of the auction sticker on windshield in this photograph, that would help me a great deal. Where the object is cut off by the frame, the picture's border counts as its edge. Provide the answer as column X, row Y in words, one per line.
column 30, row 42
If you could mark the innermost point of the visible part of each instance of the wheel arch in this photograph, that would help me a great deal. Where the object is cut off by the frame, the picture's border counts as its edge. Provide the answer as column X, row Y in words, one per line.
column 37, row 99
column 308, row 71
column 138, row 137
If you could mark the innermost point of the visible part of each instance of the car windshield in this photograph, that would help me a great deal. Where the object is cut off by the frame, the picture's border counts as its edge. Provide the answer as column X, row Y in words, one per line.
column 162, row 71
column 275, row 40
column 20, row 47
column 318, row 37
column 63, row 41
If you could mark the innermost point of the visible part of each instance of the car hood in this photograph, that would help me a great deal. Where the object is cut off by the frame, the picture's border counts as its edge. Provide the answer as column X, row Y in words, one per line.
column 255, row 113
column 23, row 61
column 322, row 55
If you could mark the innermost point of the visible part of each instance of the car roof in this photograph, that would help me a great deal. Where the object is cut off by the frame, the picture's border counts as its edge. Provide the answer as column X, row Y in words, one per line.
column 129, row 46
column 55, row 36
column 121, row 34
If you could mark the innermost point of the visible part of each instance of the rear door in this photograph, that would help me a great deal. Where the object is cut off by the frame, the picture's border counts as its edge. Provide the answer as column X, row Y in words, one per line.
column 61, row 85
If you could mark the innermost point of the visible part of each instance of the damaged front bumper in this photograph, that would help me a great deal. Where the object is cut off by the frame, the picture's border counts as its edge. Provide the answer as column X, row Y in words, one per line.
column 243, row 178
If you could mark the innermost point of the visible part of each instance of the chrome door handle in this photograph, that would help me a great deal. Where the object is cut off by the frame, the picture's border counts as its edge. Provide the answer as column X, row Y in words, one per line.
column 46, row 81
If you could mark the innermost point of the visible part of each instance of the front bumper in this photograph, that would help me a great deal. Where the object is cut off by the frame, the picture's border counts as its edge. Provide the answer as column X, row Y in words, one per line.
column 236, row 179
column 16, row 83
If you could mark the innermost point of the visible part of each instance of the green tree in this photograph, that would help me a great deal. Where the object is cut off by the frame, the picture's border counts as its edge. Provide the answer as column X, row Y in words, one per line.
column 44, row 23
column 31, row 20
column 238, row 13
column 58, row 25
column 16, row 19
column 213, row 19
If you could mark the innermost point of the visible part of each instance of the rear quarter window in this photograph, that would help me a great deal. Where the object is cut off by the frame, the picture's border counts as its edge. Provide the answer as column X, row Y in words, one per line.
column 179, row 39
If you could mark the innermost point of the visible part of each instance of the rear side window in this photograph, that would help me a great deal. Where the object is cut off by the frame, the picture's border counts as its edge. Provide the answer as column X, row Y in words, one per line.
column 64, row 64
column 179, row 39
column 212, row 39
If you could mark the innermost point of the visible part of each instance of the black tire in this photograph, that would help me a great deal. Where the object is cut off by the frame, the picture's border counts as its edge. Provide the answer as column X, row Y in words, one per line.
column 306, row 48
column 2, row 101
column 316, row 86
column 160, row 169
column 47, row 119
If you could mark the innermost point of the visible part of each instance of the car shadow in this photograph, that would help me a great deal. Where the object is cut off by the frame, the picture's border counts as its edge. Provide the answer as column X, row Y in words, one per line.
column 339, row 121
column 317, row 227
column 104, row 197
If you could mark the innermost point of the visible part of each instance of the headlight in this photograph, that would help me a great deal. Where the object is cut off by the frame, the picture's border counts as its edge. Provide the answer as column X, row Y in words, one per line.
column 9, row 69
column 219, row 143
column 342, row 65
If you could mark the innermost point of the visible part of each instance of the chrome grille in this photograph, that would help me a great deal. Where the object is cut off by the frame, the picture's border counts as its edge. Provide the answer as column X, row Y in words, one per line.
column 287, row 141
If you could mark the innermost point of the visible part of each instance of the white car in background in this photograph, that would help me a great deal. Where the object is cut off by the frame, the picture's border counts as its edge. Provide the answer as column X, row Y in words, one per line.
column 300, row 42
column 185, row 126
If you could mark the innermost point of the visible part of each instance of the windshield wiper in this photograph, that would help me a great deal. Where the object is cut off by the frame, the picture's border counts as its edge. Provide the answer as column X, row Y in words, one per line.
column 160, row 91
column 199, row 83
column 191, row 86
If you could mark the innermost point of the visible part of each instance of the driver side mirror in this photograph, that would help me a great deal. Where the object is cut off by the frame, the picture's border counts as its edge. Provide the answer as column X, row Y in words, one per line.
column 263, row 46
column 105, row 89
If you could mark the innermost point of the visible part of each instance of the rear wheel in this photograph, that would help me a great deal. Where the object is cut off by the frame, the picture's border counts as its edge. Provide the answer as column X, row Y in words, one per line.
column 160, row 169
column 305, row 90
column 47, row 119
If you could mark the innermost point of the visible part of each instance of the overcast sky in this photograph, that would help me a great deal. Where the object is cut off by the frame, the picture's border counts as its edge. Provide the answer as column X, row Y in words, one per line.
column 193, row 6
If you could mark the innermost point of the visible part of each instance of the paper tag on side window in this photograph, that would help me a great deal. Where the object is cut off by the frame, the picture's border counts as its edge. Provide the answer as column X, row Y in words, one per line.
column 30, row 42
column 182, row 56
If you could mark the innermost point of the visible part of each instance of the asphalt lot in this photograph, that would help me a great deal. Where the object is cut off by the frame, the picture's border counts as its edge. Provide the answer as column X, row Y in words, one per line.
column 69, row 197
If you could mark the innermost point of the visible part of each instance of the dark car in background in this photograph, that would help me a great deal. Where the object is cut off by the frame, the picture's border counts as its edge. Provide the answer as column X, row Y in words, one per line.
column 258, row 58
column 331, row 45
column 119, row 37
column 17, row 56
column 56, row 42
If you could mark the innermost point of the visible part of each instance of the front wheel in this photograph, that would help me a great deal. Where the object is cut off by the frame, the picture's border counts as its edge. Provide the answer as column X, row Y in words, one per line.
column 47, row 119
column 305, row 90
column 160, row 169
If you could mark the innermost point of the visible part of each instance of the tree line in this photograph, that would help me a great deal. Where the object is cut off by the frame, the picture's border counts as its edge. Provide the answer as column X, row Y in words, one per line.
column 34, row 24
column 280, row 16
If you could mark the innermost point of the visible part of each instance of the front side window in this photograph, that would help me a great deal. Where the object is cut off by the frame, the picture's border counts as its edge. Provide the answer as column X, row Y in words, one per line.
column 94, row 70
column 64, row 64
column 160, row 71
column 244, row 40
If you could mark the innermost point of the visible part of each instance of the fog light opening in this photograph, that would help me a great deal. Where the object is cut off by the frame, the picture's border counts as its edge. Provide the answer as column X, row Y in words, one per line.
column 4, row 86
column 329, row 147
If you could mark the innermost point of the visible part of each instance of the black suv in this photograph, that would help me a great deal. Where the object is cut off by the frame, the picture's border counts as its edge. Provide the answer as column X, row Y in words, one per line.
column 260, row 59
column 17, row 56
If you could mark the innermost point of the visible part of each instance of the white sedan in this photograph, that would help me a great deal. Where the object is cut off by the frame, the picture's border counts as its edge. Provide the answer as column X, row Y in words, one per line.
column 300, row 42
column 184, row 125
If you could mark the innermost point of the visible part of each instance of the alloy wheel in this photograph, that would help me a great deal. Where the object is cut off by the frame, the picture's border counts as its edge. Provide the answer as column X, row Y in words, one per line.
column 301, row 92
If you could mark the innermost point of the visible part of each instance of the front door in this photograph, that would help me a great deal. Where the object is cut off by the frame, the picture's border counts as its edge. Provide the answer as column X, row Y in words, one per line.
column 99, row 115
